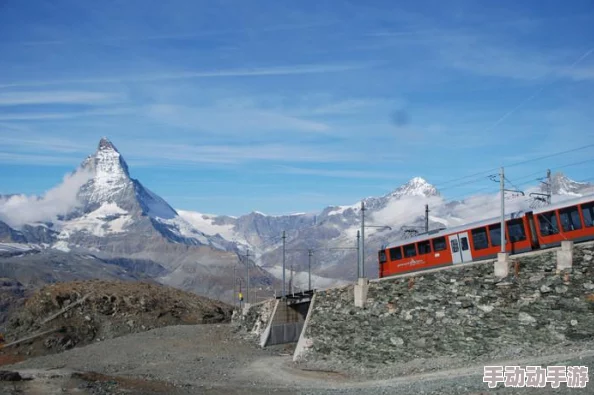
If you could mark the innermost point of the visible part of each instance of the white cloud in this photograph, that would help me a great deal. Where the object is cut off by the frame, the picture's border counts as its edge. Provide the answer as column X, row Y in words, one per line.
column 32, row 116
column 232, row 120
column 339, row 173
column 253, row 72
column 61, row 97
column 18, row 210
column 233, row 154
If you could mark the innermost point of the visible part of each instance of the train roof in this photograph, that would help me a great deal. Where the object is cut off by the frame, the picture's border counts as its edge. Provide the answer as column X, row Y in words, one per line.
column 455, row 229
column 488, row 221
column 569, row 202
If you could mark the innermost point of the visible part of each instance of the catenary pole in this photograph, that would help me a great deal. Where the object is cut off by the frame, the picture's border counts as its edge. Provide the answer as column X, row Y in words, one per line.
column 502, row 183
column 426, row 218
column 247, row 276
column 310, row 253
column 284, row 238
column 362, row 252
column 358, row 253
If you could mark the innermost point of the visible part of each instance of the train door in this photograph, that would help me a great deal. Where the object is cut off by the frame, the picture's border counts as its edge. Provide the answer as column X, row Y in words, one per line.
column 455, row 248
column 460, row 248
column 465, row 247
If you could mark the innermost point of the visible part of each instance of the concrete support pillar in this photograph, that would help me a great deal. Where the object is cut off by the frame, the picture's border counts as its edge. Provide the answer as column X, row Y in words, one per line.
column 361, row 292
column 565, row 255
column 502, row 265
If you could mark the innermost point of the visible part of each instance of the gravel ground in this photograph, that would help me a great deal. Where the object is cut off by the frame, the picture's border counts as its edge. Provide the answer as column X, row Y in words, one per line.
column 211, row 359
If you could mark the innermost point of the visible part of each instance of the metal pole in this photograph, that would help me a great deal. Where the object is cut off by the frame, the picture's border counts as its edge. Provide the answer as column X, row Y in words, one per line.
column 234, row 283
column 284, row 237
column 247, row 273
column 310, row 253
column 291, row 290
column 549, row 187
column 363, row 239
column 502, row 183
column 358, row 254
column 426, row 218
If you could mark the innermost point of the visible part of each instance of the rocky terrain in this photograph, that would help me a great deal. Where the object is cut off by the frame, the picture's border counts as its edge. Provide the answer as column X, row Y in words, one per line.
column 12, row 296
column 456, row 317
column 78, row 313
column 212, row 359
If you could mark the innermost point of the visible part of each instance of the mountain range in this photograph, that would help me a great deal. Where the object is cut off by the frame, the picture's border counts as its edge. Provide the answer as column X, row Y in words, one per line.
column 104, row 223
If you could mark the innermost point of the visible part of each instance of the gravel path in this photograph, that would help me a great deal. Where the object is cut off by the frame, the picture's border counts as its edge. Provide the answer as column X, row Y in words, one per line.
column 210, row 359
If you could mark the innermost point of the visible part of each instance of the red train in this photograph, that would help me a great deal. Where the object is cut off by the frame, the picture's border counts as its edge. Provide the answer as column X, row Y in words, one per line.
column 525, row 231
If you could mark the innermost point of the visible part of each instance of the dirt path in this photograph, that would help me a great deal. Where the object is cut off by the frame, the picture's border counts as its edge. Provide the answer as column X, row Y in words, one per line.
column 209, row 359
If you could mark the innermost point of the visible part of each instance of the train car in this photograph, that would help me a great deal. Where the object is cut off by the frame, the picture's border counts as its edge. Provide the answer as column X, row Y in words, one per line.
column 568, row 220
column 525, row 231
column 466, row 243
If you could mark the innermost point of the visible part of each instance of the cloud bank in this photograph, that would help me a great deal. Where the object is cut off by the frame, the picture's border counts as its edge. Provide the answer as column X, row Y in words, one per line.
column 18, row 210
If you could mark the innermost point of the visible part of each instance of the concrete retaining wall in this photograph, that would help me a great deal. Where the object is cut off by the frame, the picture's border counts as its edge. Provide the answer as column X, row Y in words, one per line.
column 463, row 312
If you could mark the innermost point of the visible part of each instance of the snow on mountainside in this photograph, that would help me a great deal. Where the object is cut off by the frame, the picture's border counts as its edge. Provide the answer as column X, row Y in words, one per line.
column 115, row 205
column 562, row 185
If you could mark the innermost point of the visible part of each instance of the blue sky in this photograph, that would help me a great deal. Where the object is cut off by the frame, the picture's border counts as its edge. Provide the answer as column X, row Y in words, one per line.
column 280, row 106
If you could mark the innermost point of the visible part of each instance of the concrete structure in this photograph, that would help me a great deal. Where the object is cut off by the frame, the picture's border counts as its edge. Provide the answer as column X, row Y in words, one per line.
column 501, row 266
column 361, row 289
column 287, row 320
column 266, row 333
column 565, row 255
column 304, row 342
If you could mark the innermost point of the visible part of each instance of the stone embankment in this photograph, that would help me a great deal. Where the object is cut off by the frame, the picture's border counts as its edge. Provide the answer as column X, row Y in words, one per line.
column 250, row 322
column 452, row 317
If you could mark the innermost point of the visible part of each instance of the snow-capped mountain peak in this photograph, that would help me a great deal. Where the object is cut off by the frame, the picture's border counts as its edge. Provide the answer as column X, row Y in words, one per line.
column 563, row 185
column 416, row 186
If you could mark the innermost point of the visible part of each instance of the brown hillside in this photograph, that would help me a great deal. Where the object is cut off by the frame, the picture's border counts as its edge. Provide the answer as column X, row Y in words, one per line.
column 77, row 313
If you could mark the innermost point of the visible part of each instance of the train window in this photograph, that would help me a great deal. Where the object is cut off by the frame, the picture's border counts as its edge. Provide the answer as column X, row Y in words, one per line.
column 464, row 243
column 515, row 230
column 395, row 253
column 382, row 256
column 410, row 250
column 548, row 223
column 424, row 247
column 495, row 235
column 479, row 238
column 439, row 244
column 570, row 219
column 455, row 247
column 588, row 210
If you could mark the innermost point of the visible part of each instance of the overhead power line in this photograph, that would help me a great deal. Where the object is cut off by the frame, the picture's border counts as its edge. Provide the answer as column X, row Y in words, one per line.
column 476, row 177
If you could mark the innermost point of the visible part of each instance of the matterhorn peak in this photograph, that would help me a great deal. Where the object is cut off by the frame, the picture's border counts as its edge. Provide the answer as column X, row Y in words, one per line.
column 106, row 144
column 563, row 185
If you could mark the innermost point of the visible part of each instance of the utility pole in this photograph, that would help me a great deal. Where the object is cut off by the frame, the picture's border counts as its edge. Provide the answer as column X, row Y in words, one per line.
column 362, row 251
column 426, row 218
column 247, row 276
column 284, row 238
column 546, row 198
column 549, row 187
column 234, row 282
column 291, row 290
column 502, row 183
column 309, row 253
column 358, row 254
